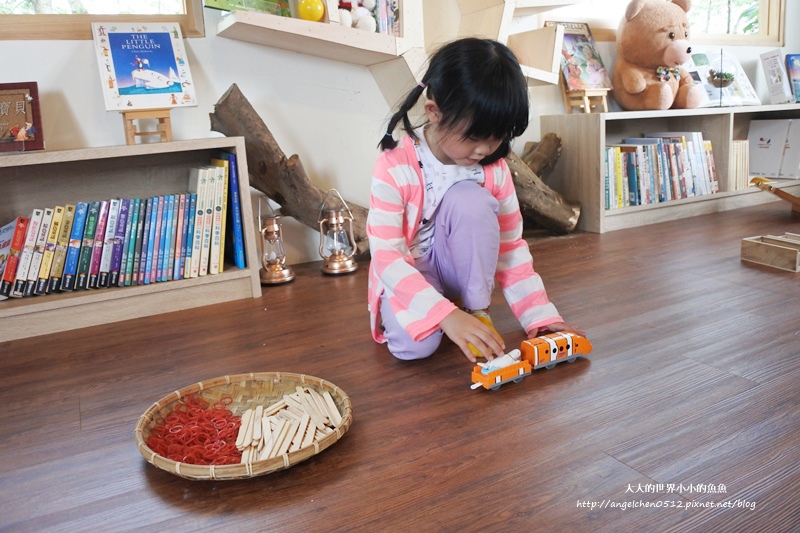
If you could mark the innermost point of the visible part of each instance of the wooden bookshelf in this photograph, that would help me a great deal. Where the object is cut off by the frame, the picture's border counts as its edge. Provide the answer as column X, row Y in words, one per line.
column 580, row 169
column 44, row 179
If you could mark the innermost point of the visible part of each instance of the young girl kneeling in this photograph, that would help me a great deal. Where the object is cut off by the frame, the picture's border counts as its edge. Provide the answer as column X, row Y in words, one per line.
column 444, row 221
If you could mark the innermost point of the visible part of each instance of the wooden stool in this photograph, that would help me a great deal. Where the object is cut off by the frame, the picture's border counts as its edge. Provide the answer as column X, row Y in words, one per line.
column 164, row 129
column 585, row 99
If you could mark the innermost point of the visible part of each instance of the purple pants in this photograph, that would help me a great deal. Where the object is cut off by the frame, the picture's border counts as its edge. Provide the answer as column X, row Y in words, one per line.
column 460, row 264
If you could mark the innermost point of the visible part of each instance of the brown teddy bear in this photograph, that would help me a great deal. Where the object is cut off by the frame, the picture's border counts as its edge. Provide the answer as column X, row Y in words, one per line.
column 652, row 44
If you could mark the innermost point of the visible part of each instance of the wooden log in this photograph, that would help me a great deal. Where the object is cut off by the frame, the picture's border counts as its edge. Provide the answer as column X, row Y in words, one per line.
column 541, row 157
column 282, row 179
column 538, row 202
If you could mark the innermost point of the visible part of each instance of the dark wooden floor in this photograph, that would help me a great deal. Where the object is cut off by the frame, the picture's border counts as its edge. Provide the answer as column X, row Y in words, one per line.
column 689, row 399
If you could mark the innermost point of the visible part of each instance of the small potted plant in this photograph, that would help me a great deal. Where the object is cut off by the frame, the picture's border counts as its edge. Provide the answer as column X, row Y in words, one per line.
column 720, row 79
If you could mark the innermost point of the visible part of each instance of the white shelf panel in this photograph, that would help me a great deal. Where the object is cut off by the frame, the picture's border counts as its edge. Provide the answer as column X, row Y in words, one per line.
column 319, row 39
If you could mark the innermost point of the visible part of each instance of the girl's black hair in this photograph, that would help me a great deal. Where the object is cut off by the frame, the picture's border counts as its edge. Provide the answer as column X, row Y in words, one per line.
column 477, row 83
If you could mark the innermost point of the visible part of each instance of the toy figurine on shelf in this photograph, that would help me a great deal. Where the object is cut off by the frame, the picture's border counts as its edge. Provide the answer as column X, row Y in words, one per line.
column 545, row 351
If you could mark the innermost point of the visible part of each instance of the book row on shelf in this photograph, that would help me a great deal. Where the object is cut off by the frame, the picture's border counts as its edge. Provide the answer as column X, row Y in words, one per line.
column 659, row 167
column 121, row 242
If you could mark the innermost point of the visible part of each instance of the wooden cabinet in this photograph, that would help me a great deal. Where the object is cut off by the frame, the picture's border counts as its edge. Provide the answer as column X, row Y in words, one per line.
column 580, row 169
column 45, row 179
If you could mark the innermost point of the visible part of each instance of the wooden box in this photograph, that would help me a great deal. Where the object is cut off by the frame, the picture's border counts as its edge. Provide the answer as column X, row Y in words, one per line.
column 776, row 251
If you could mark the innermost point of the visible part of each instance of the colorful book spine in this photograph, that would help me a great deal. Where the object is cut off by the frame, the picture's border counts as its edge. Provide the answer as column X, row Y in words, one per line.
column 224, row 224
column 169, row 238
column 118, row 243
column 14, row 234
column 135, row 246
column 148, row 245
column 107, row 253
column 142, row 246
column 223, row 241
column 6, row 235
column 236, row 212
column 216, row 222
column 158, row 249
column 62, row 244
column 632, row 172
column 712, row 167
column 49, row 251
column 69, row 277
column 180, row 214
column 99, row 244
column 14, row 250
column 26, row 257
column 38, row 252
column 126, row 206
column 208, row 221
column 188, row 238
column 87, row 245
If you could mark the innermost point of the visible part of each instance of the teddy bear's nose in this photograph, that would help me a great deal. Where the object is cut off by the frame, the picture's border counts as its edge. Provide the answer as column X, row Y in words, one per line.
column 689, row 50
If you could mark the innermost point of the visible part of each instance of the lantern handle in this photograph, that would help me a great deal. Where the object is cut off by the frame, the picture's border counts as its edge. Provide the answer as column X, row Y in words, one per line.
column 325, row 199
column 264, row 199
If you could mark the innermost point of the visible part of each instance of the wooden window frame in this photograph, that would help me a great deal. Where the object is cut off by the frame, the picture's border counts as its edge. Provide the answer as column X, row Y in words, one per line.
column 79, row 27
column 773, row 29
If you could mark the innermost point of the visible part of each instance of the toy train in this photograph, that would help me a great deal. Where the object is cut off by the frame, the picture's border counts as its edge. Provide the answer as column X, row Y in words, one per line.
column 545, row 351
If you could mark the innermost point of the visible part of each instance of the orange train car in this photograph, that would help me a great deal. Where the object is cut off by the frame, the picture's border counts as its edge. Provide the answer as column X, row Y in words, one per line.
column 544, row 351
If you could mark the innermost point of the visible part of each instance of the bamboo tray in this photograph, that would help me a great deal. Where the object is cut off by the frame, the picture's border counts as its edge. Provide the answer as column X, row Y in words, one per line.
column 246, row 391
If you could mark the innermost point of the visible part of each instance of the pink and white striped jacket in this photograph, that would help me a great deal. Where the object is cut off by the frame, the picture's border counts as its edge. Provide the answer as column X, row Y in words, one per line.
column 395, row 209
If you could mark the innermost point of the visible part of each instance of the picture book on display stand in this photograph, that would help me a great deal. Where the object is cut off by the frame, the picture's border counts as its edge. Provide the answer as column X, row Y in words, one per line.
column 581, row 64
column 143, row 65
column 780, row 91
column 723, row 78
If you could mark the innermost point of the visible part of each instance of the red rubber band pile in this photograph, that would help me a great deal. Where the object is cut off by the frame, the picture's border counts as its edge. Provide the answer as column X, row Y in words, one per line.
column 197, row 434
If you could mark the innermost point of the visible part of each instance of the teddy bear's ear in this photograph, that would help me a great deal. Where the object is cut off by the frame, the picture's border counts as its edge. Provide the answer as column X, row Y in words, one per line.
column 686, row 5
column 633, row 8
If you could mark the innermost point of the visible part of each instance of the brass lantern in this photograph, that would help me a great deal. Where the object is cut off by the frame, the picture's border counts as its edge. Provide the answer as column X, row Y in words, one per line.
column 335, row 242
column 273, row 257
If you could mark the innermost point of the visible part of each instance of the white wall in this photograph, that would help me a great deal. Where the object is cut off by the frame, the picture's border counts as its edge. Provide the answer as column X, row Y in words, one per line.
column 330, row 113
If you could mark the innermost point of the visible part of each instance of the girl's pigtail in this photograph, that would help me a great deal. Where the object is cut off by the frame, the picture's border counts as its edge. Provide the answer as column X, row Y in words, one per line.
column 387, row 141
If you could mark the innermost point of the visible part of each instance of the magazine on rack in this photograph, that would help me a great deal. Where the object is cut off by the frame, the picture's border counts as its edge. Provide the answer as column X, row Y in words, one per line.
column 581, row 63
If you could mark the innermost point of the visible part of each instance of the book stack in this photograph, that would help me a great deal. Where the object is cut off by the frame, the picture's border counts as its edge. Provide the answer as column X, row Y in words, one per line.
column 659, row 167
column 121, row 242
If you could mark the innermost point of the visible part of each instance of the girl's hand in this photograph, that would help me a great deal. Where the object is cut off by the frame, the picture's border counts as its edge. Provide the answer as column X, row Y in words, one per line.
column 463, row 328
column 555, row 327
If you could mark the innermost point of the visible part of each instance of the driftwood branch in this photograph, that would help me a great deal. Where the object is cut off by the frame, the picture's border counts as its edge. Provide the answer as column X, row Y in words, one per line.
column 538, row 202
column 284, row 180
column 542, row 156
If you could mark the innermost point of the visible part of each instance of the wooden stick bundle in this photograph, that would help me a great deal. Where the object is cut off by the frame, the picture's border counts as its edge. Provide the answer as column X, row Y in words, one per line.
column 293, row 422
